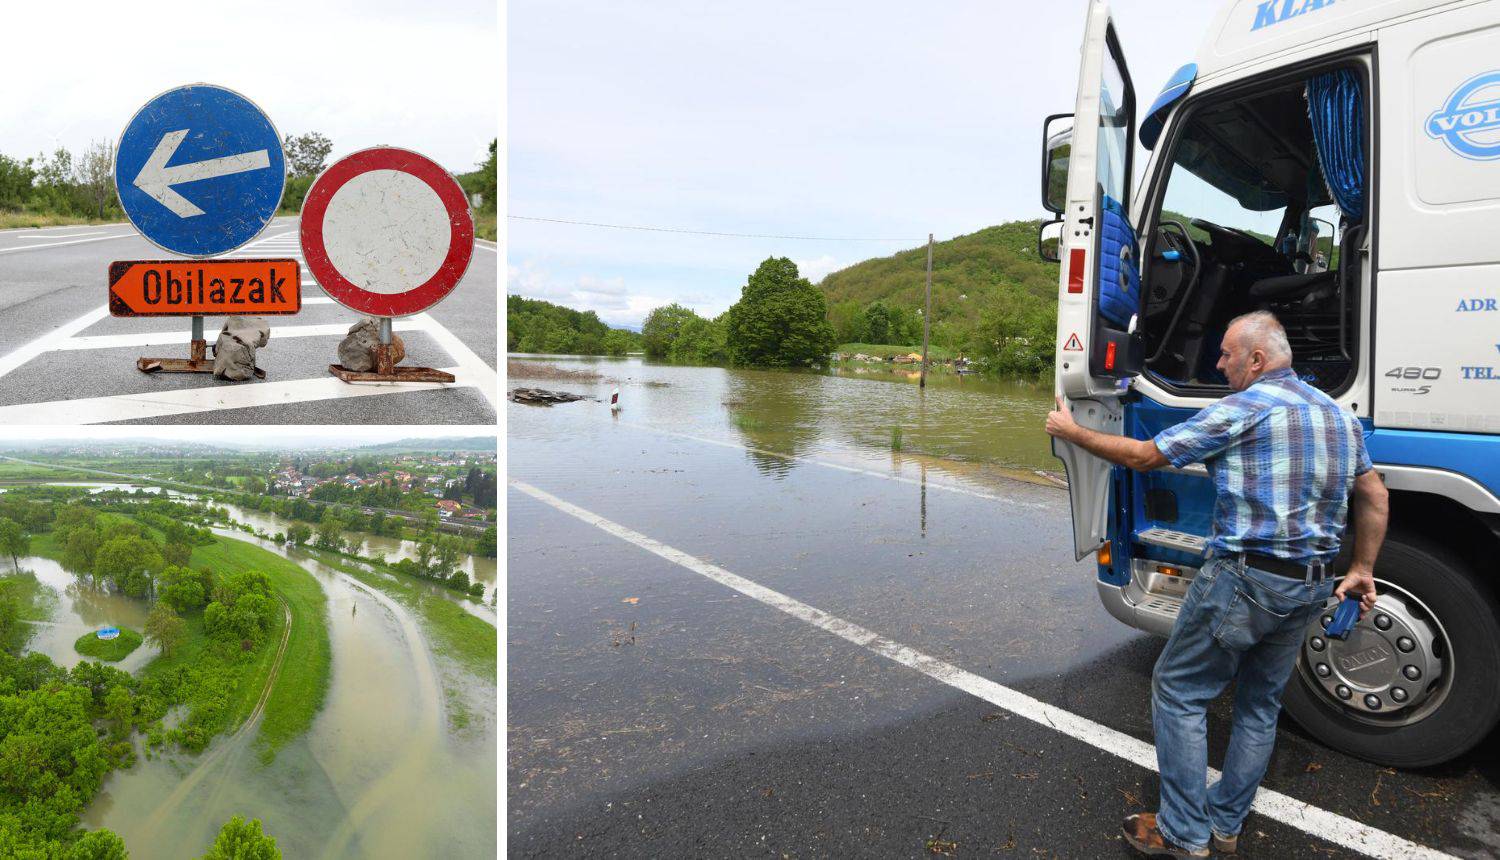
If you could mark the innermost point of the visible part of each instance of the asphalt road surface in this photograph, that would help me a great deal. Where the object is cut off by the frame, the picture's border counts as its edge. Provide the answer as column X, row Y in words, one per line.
column 64, row 360
column 714, row 651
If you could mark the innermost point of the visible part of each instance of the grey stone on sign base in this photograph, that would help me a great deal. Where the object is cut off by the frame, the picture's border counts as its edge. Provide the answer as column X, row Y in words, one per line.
column 234, row 351
column 357, row 349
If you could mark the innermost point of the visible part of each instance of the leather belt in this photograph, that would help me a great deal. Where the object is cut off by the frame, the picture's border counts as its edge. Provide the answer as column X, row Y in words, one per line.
column 1313, row 571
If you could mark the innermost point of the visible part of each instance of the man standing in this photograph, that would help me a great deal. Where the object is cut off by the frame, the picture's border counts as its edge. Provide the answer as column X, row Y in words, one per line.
column 1284, row 458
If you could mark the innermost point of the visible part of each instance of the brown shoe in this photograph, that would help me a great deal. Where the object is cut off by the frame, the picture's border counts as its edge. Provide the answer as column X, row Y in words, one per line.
column 1140, row 831
column 1226, row 844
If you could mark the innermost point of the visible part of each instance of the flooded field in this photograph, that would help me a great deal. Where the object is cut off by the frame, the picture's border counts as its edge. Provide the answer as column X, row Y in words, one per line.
column 967, row 422
column 80, row 608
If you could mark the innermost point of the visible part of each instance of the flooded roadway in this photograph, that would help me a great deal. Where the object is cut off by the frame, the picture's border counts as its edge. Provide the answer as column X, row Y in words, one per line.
column 655, row 712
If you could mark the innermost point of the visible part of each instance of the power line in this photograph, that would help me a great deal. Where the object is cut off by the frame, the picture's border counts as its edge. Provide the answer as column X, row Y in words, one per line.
column 700, row 232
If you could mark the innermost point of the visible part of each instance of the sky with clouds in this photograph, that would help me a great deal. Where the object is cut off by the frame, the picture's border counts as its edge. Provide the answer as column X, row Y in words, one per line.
column 871, row 121
column 425, row 76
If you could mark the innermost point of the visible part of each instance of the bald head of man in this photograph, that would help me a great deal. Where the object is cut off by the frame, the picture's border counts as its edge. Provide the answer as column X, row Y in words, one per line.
column 1254, row 344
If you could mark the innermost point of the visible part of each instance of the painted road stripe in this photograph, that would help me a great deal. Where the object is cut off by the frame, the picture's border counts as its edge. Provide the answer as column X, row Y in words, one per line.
column 166, row 338
column 1320, row 823
column 800, row 458
column 155, row 404
column 62, row 235
column 49, row 341
column 59, row 244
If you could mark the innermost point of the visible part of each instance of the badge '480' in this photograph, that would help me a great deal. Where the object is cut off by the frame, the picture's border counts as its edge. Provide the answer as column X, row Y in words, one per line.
column 387, row 232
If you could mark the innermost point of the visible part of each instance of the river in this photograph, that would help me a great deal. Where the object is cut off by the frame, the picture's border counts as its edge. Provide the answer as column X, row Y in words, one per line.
column 969, row 426
column 379, row 774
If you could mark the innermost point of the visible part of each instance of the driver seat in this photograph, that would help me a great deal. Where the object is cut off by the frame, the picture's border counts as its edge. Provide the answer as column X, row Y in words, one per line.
column 1285, row 287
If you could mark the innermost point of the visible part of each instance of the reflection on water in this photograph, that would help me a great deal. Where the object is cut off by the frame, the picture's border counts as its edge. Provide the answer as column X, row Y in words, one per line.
column 81, row 608
column 958, row 419
column 376, row 776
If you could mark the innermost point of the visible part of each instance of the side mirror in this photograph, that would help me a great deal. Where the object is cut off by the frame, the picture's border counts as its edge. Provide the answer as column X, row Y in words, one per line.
column 1057, row 144
column 1049, row 241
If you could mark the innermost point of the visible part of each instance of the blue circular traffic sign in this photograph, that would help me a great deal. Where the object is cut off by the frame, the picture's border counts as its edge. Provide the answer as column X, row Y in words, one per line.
column 200, row 170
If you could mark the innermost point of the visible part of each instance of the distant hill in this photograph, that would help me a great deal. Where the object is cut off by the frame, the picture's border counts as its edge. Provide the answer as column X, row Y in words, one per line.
column 967, row 272
column 471, row 443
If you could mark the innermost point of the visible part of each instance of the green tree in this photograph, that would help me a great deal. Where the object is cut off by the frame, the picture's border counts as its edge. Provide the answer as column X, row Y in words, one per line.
column 128, row 563
column 307, row 154
column 487, row 544
column 661, row 329
column 177, row 553
column 878, row 319
column 164, row 628
column 781, row 320
column 242, row 840
column 96, row 176
column 331, row 531
column 489, row 180
column 298, row 534
column 99, row 845
column 13, row 541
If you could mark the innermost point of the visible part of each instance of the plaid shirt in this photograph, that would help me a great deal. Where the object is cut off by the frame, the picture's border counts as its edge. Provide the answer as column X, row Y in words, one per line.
column 1283, row 457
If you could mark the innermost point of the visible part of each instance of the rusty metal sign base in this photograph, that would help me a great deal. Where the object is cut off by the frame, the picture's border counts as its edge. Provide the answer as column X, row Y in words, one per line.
column 387, row 370
column 396, row 374
column 196, row 362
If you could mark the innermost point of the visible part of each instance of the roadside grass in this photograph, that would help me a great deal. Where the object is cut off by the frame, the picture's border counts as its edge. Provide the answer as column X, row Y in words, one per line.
column 887, row 350
column 303, row 682
column 486, row 226
column 10, row 471
column 9, row 220
column 468, row 639
column 111, row 650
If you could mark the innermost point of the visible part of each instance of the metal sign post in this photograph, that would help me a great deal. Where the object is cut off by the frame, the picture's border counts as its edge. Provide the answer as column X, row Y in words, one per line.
column 387, row 232
column 177, row 288
column 199, row 170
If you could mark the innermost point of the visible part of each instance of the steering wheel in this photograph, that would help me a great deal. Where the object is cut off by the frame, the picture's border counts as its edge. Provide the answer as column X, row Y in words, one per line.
column 1184, row 243
column 1231, row 234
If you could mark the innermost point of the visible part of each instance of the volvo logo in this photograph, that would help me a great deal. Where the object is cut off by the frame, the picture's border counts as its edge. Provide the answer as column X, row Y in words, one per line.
column 1364, row 659
column 1470, row 122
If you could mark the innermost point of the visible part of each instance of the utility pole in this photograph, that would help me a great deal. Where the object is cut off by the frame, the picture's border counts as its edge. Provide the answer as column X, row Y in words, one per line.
column 926, row 315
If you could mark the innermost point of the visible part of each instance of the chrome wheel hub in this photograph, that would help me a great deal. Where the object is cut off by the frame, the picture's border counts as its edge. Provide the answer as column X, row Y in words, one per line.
column 1393, row 666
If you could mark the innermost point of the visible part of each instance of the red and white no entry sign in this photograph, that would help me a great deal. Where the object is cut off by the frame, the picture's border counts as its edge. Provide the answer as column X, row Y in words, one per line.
column 387, row 232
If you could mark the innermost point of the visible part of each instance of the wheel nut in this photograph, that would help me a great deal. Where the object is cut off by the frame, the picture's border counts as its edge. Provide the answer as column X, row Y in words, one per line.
column 1405, row 644
column 1398, row 694
column 1412, row 673
column 1342, row 692
column 1327, row 620
column 1372, row 702
column 1317, row 643
column 1323, row 670
column 1383, row 622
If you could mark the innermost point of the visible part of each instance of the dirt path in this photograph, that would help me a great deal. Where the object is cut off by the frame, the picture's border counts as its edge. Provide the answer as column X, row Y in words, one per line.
column 233, row 747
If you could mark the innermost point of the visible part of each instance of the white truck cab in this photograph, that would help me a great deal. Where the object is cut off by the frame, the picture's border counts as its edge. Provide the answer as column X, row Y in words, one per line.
column 1337, row 163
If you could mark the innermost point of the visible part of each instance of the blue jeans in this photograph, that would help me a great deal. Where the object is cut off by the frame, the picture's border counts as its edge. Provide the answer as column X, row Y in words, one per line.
column 1236, row 623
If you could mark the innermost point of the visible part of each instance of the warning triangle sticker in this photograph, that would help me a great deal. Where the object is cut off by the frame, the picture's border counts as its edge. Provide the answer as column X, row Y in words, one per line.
column 1073, row 344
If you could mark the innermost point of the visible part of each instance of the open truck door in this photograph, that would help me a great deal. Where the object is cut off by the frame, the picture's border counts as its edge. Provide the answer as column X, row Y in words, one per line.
column 1086, row 183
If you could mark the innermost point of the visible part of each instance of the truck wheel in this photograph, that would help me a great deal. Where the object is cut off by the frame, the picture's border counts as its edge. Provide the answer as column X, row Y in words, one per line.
column 1414, row 684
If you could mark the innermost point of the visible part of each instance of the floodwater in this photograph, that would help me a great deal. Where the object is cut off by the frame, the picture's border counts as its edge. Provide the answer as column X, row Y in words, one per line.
column 378, row 775
column 962, row 424
column 80, row 608
column 374, row 546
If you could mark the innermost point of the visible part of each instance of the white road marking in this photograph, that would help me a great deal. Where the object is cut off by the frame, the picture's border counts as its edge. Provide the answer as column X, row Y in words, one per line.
column 163, row 338
column 1320, row 823
column 156, row 404
column 60, row 244
column 62, row 235
column 50, row 341
column 802, row 458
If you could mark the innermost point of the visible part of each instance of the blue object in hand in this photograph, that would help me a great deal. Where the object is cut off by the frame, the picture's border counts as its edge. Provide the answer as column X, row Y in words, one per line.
column 1344, row 619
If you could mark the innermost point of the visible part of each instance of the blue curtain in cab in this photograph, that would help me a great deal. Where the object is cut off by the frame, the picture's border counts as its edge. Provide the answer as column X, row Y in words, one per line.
column 1337, row 109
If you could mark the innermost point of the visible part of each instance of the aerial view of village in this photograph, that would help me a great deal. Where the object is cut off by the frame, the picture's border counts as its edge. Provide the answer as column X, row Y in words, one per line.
column 289, row 640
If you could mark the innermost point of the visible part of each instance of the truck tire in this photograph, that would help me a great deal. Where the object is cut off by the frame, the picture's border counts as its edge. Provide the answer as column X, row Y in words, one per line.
column 1354, row 697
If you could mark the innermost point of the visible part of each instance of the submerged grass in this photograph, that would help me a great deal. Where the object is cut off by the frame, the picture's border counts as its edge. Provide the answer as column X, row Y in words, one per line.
column 468, row 639
column 302, row 683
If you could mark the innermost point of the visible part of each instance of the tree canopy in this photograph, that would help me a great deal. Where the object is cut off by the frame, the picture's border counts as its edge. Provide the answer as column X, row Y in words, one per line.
column 780, row 319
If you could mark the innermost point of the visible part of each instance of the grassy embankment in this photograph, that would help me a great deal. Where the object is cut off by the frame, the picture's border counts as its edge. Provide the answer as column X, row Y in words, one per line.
column 303, row 681
column 228, row 689
column 10, row 220
column 486, row 226
column 108, row 650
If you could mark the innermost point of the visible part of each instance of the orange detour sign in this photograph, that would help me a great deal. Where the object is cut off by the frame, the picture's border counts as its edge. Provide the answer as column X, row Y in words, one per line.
column 187, row 288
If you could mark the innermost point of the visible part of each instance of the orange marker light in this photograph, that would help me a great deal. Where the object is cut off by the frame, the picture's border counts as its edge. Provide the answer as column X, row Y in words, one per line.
column 1104, row 554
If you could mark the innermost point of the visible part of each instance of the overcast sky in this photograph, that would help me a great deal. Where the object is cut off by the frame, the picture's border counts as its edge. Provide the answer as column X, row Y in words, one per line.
column 852, row 120
column 424, row 76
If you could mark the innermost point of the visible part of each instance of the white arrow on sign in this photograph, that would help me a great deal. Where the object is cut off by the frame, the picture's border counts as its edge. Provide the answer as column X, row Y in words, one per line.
column 157, row 179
